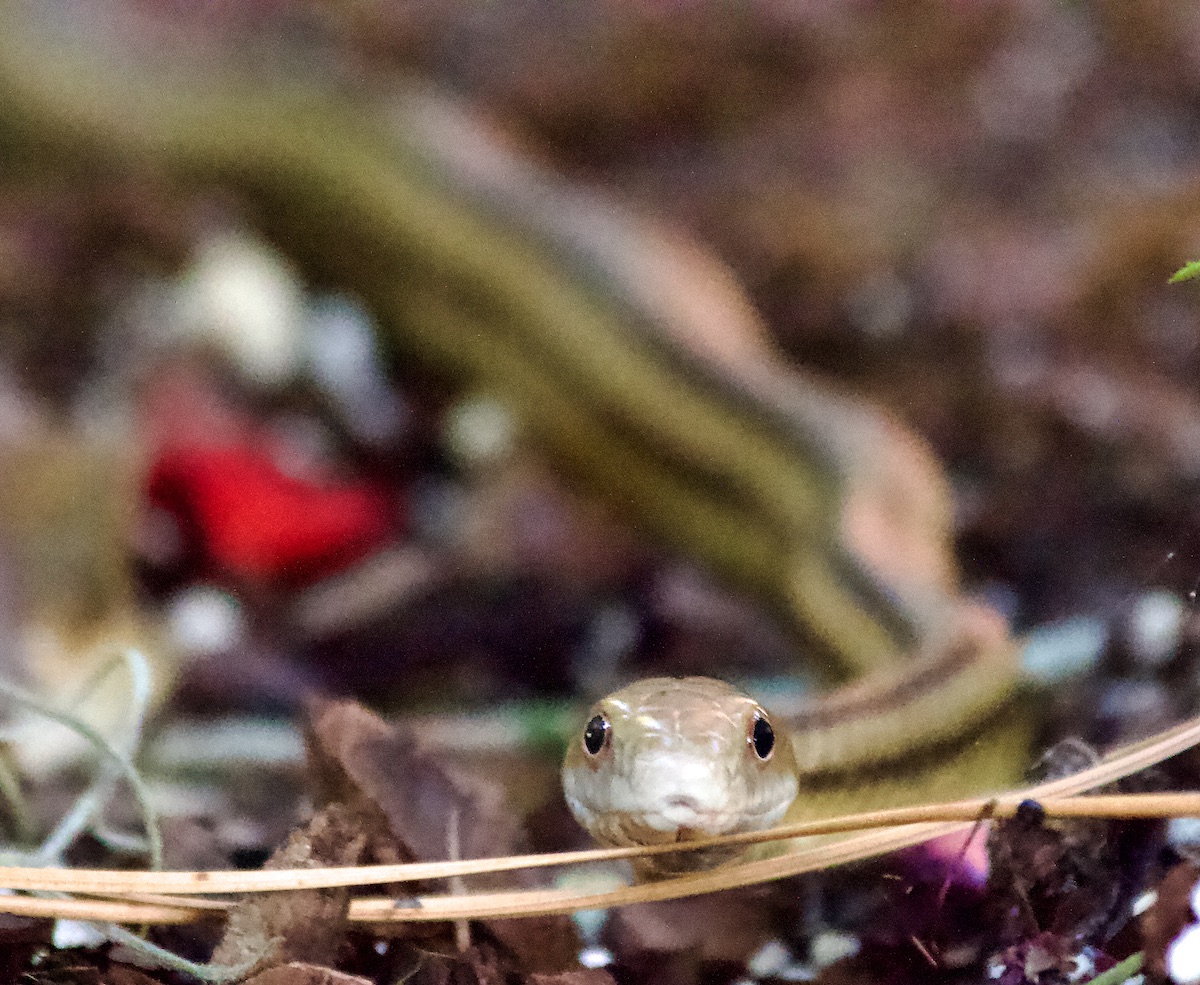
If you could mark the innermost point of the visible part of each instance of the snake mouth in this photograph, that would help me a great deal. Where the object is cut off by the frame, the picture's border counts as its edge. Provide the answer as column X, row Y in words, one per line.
column 697, row 860
column 689, row 817
column 653, row 829
column 688, row 825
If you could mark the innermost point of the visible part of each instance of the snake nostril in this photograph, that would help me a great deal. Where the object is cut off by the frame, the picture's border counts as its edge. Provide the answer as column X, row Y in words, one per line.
column 684, row 802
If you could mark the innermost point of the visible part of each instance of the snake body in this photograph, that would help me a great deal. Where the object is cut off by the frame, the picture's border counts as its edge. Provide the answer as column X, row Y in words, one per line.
column 628, row 355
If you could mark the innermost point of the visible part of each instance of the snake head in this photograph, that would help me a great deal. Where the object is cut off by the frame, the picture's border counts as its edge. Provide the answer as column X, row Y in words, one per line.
column 674, row 760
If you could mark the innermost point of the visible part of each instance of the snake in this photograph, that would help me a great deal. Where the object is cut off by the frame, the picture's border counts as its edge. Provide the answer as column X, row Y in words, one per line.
column 673, row 760
column 638, row 368
column 668, row 760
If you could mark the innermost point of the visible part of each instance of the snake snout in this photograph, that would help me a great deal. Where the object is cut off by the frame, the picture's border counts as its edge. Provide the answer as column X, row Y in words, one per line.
column 685, row 795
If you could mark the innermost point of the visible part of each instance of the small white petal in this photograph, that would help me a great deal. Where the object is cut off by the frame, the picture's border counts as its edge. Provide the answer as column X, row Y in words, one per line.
column 1144, row 902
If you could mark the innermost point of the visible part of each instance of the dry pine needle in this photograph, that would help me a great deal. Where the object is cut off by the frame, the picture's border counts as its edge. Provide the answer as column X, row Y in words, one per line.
column 125, row 899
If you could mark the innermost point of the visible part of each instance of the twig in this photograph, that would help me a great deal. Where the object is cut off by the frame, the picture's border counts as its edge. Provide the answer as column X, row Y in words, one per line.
column 96, row 798
column 107, row 751
column 10, row 789
column 162, row 958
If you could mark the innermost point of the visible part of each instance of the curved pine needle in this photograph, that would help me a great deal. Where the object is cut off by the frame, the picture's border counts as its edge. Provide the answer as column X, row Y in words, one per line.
column 142, row 908
column 910, row 823
column 540, row 902
column 906, row 827
column 213, row 907
column 133, row 885
column 109, row 911
column 127, row 884
column 532, row 902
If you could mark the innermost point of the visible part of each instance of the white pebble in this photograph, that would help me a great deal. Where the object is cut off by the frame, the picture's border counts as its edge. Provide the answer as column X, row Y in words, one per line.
column 1155, row 625
column 831, row 946
column 595, row 957
column 1144, row 902
column 480, row 431
column 76, row 933
column 205, row 620
column 1064, row 649
column 769, row 959
column 1183, row 956
column 241, row 298
column 1083, row 965
column 1125, row 698
column 344, row 360
column 1183, row 831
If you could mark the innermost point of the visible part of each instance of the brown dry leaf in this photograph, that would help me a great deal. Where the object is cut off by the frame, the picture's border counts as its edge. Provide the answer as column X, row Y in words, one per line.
column 359, row 760
column 301, row 926
column 726, row 926
column 434, row 811
column 546, row 944
column 299, row 973
column 1171, row 912
column 1075, row 878
column 475, row 966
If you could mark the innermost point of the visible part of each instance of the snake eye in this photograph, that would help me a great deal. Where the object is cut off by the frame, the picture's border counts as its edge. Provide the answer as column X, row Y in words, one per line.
column 762, row 736
column 595, row 735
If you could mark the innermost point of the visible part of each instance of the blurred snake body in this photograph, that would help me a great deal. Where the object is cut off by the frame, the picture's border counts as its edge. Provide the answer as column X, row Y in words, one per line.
column 630, row 357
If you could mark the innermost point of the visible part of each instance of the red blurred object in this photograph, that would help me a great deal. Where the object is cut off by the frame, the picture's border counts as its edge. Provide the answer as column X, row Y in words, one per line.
column 250, row 520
